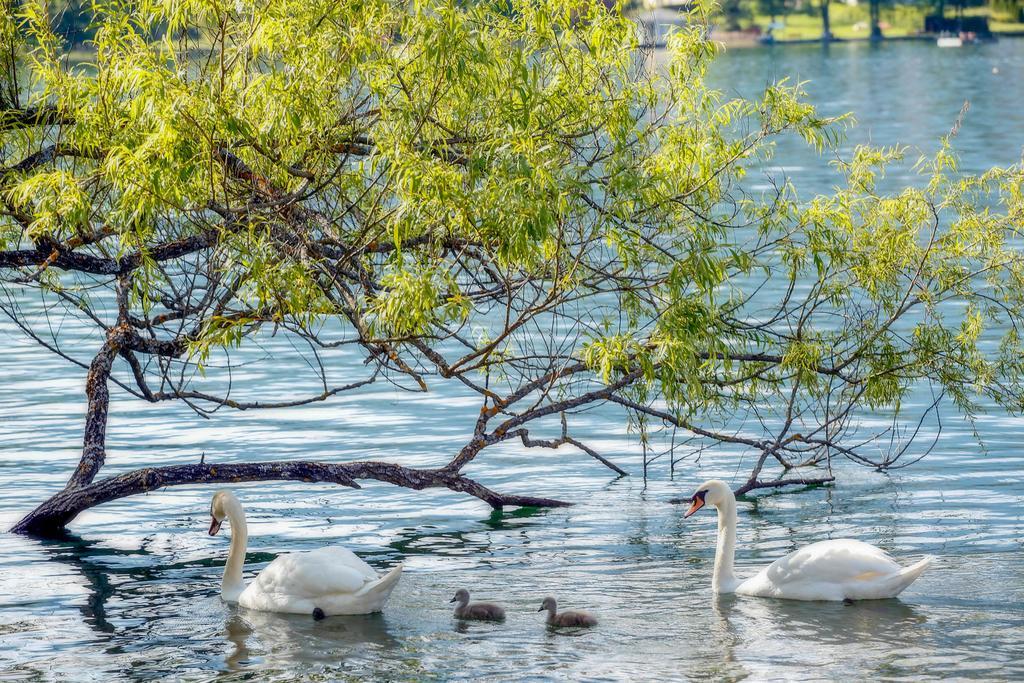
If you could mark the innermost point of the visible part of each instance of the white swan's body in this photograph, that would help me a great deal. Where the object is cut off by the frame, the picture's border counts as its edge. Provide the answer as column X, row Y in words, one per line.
column 827, row 570
column 332, row 579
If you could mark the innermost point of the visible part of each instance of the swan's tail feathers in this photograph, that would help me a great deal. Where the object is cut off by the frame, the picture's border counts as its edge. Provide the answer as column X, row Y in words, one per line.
column 907, row 575
column 383, row 586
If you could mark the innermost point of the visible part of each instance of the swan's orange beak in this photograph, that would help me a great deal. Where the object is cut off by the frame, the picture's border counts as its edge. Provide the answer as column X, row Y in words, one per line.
column 697, row 504
column 214, row 525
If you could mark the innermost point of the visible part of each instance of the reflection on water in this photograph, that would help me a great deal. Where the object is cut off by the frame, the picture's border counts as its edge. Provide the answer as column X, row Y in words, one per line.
column 238, row 631
column 297, row 643
column 134, row 594
column 78, row 553
column 836, row 624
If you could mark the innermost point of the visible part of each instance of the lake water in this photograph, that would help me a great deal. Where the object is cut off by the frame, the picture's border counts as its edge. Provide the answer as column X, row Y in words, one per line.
column 133, row 595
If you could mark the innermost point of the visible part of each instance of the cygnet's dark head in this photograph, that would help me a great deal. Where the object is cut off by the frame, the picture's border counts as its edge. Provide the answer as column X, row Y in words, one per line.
column 548, row 604
column 461, row 596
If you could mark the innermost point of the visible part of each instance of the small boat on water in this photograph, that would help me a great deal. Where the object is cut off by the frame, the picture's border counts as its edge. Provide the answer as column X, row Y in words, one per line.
column 958, row 39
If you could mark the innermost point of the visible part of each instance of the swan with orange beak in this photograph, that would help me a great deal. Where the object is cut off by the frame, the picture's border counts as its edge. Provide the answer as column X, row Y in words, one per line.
column 828, row 570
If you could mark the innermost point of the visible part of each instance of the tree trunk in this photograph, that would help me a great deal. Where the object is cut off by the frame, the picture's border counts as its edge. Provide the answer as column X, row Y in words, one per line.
column 876, row 30
column 826, row 29
column 94, row 442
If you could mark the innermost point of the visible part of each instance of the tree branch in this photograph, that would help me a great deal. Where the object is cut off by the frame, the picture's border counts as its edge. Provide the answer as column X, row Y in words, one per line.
column 778, row 483
column 12, row 119
column 53, row 515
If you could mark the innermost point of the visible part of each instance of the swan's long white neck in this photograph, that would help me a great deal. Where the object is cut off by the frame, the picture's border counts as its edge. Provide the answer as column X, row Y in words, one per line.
column 232, row 584
column 724, row 580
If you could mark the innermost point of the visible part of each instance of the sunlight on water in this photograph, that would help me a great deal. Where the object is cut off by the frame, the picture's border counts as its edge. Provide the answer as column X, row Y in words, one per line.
column 135, row 591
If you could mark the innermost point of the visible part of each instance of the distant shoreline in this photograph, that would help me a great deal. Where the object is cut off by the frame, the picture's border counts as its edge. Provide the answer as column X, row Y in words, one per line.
column 737, row 39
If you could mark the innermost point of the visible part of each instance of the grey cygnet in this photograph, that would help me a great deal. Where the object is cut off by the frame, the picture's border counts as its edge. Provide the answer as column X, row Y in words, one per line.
column 481, row 611
column 568, row 617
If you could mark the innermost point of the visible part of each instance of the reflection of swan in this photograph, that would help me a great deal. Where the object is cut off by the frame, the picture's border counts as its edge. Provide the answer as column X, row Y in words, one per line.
column 324, row 581
column 828, row 570
column 724, row 641
column 237, row 632
column 832, row 639
column 884, row 622
column 274, row 639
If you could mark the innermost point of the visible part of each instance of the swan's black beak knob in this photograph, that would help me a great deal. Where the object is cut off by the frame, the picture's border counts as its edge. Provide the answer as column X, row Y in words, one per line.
column 453, row 600
column 214, row 526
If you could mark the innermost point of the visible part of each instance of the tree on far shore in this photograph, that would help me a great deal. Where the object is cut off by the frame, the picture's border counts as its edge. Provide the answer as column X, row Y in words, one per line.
column 875, row 9
column 826, row 27
column 733, row 11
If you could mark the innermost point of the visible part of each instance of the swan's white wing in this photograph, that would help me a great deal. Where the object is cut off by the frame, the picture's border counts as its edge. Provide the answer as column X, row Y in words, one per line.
column 324, row 571
column 331, row 579
column 822, row 571
column 832, row 561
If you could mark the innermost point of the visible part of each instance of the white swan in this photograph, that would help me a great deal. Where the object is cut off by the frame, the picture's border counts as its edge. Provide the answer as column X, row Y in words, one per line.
column 827, row 570
column 321, row 582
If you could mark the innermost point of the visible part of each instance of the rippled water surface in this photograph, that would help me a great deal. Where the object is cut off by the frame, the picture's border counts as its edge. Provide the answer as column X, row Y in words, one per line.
column 134, row 593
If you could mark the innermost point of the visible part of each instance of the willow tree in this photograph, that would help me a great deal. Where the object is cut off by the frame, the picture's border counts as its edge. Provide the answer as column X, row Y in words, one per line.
column 506, row 196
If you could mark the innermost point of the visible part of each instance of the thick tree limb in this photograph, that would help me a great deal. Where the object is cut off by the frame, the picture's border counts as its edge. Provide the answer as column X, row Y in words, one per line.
column 61, row 256
column 65, row 260
column 53, row 515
